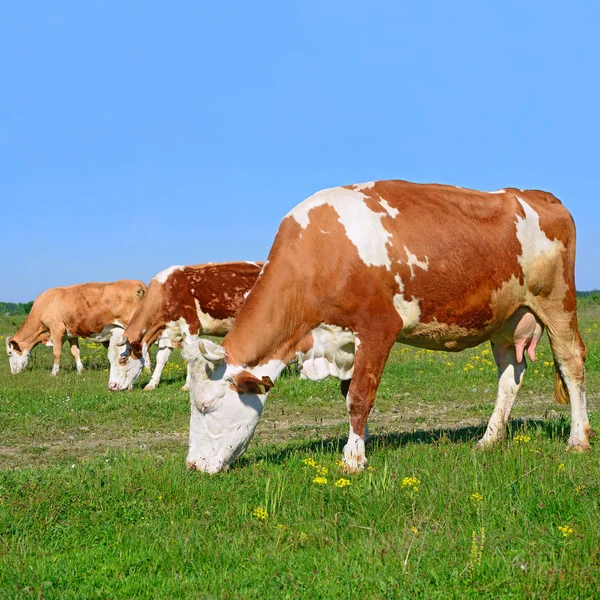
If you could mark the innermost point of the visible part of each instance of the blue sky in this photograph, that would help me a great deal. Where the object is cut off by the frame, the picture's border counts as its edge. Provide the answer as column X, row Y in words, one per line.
column 136, row 135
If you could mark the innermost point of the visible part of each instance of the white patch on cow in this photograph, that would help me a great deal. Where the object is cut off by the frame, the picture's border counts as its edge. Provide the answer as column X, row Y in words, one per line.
column 106, row 333
column 55, row 369
column 49, row 344
column 409, row 310
column 251, row 262
column 165, row 273
column 363, row 226
column 413, row 261
column 390, row 210
column 534, row 243
column 210, row 325
column 502, row 191
column 359, row 187
column 354, row 452
column 263, row 268
column 332, row 353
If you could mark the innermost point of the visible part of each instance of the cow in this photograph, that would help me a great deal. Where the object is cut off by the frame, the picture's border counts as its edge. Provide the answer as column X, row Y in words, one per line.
column 181, row 301
column 86, row 310
column 355, row 269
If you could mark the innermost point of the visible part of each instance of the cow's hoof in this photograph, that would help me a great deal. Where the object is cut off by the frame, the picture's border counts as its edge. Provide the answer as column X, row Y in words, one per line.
column 486, row 444
column 185, row 388
column 150, row 387
column 577, row 447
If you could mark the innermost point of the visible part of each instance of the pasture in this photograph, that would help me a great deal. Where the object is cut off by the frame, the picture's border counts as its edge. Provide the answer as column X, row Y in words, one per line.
column 95, row 501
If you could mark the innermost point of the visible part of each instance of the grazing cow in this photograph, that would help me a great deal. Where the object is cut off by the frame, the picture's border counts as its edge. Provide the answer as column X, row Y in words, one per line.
column 181, row 301
column 354, row 269
column 86, row 310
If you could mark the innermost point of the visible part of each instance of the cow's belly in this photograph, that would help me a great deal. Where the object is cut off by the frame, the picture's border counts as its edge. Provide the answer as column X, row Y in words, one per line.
column 441, row 336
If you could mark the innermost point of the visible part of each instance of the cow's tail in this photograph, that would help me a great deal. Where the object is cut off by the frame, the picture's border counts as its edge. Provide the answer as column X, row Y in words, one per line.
column 561, row 395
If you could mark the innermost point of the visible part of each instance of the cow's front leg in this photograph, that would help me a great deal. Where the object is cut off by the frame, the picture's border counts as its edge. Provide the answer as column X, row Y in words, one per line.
column 162, row 356
column 74, row 343
column 510, row 378
column 371, row 355
column 57, row 338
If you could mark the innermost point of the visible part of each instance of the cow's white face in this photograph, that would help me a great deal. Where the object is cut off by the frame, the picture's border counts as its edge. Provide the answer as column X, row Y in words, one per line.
column 226, row 404
column 125, row 367
column 17, row 358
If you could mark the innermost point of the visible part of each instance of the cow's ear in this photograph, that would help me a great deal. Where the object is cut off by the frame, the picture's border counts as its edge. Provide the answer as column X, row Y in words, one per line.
column 14, row 345
column 246, row 383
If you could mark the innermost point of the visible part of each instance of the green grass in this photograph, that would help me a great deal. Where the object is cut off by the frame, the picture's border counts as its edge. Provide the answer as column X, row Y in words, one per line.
column 95, row 501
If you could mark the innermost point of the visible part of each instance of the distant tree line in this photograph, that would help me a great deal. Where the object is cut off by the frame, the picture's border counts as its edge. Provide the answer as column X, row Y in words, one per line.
column 594, row 295
column 15, row 308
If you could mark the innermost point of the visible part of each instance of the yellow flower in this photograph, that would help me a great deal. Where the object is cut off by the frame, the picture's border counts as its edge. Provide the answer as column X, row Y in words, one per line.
column 411, row 483
column 579, row 489
column 448, row 364
column 566, row 530
column 281, row 527
column 310, row 462
column 342, row 483
column 339, row 463
column 561, row 467
column 476, row 497
column 485, row 352
column 260, row 513
column 320, row 480
column 521, row 439
column 414, row 530
column 321, row 470
column 303, row 537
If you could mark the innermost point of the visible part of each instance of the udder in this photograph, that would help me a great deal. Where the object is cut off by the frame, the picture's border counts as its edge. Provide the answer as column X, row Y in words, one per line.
column 523, row 331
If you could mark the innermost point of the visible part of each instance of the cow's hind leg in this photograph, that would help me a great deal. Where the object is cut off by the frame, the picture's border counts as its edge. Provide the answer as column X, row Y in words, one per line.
column 371, row 355
column 569, row 356
column 510, row 378
column 74, row 343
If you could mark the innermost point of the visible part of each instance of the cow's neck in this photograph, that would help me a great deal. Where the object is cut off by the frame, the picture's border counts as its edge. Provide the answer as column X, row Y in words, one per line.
column 30, row 333
column 269, row 329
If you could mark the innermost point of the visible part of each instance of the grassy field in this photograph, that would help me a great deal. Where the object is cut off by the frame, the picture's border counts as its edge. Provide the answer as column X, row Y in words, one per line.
column 95, row 501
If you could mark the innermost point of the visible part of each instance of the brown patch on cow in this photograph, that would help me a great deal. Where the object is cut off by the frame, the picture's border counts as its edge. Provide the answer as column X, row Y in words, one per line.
column 246, row 383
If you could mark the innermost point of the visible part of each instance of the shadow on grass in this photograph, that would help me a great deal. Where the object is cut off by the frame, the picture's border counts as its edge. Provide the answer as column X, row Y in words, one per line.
column 550, row 429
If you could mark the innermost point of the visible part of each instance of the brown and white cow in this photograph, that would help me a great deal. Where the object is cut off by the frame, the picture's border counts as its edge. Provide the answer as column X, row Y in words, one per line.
column 86, row 310
column 181, row 301
column 354, row 269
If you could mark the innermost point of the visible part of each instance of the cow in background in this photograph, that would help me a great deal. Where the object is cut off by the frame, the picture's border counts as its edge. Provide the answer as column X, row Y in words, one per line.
column 86, row 310
column 355, row 269
column 181, row 301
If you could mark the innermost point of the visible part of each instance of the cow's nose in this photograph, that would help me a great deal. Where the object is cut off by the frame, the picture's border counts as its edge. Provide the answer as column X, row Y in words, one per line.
column 191, row 465
column 113, row 385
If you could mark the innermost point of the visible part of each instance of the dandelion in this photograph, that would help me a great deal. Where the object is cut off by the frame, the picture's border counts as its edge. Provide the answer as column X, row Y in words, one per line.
column 260, row 513
column 411, row 483
column 521, row 439
column 566, row 530
column 320, row 480
column 340, row 483
column 310, row 462
column 561, row 467
column 303, row 537
column 321, row 470
column 579, row 489
column 476, row 497
column 414, row 530
column 448, row 364
column 485, row 352
column 281, row 527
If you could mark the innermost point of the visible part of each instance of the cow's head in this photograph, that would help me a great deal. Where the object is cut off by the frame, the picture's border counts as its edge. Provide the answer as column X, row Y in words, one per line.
column 17, row 357
column 226, row 404
column 126, row 361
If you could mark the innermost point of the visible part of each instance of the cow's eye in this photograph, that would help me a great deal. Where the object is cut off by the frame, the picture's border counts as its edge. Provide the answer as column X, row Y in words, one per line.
column 123, row 360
